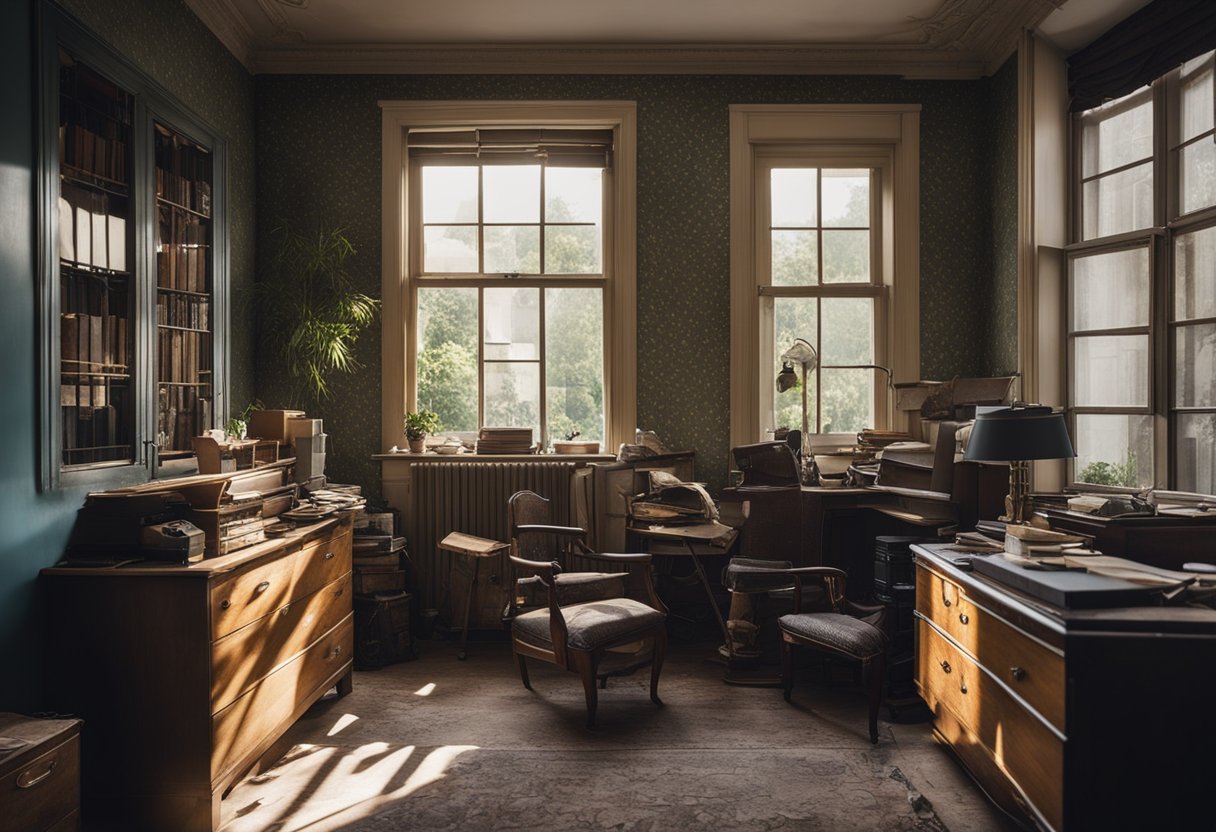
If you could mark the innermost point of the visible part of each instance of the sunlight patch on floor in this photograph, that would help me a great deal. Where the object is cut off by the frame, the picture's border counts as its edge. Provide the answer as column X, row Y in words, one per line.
column 425, row 690
column 344, row 722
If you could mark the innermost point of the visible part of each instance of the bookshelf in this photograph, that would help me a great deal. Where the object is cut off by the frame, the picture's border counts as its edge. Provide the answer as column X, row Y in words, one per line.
column 133, row 275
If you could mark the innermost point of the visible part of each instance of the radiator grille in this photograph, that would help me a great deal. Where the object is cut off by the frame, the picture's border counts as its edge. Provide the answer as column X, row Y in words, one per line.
column 471, row 497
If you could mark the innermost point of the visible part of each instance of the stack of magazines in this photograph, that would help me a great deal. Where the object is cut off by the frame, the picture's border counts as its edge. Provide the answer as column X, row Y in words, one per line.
column 505, row 441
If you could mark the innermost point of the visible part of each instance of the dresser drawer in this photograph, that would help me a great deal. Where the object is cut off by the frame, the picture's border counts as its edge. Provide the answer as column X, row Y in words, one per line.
column 39, row 793
column 1019, row 743
column 1030, row 668
column 275, row 701
column 240, row 659
column 238, row 599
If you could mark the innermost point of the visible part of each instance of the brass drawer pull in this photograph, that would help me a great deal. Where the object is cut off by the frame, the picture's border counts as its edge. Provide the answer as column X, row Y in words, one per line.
column 225, row 604
column 963, row 619
column 337, row 651
column 328, row 556
column 286, row 609
column 962, row 688
column 945, row 666
column 29, row 784
column 1017, row 673
column 262, row 587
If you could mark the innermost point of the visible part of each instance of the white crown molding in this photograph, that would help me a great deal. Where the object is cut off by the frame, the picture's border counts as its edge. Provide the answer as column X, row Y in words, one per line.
column 613, row 59
column 228, row 25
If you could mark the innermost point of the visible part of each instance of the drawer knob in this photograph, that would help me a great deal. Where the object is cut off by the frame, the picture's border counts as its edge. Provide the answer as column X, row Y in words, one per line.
column 1017, row 673
column 22, row 783
column 262, row 587
column 945, row 601
column 962, row 688
column 337, row 651
column 945, row 666
column 963, row 619
column 285, row 610
column 225, row 604
column 328, row 556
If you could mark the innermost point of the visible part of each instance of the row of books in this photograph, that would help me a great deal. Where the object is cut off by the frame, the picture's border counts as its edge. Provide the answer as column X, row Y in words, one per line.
column 182, row 267
column 184, row 311
column 183, row 357
column 92, row 230
column 182, row 413
column 504, row 441
column 92, row 343
column 102, row 153
column 92, row 427
column 189, row 193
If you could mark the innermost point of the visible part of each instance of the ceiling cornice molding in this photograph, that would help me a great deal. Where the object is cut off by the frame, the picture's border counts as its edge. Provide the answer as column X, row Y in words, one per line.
column 1000, row 38
column 621, row 59
column 228, row 25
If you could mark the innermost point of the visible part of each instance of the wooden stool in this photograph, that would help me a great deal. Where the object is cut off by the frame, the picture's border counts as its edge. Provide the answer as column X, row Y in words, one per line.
column 476, row 548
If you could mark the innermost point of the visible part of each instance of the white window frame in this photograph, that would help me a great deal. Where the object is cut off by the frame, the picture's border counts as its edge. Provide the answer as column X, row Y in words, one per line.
column 884, row 137
column 398, row 283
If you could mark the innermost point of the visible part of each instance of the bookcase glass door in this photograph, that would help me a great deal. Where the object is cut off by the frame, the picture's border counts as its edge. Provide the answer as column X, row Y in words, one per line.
column 184, row 298
column 96, row 268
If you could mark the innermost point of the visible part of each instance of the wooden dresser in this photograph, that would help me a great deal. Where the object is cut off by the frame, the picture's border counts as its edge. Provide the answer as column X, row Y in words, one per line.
column 1076, row 719
column 186, row 675
column 39, row 774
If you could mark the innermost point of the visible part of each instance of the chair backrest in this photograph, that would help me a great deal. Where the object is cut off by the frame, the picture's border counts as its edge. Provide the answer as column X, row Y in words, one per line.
column 527, row 508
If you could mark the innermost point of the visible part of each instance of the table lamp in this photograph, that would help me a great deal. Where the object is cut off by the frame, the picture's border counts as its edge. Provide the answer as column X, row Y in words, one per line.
column 804, row 355
column 1016, row 435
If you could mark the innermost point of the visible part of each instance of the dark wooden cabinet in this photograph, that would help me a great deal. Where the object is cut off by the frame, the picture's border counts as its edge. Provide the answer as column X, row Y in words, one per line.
column 40, row 780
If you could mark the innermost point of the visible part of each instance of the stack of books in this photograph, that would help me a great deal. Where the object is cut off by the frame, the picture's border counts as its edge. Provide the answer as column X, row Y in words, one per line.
column 505, row 441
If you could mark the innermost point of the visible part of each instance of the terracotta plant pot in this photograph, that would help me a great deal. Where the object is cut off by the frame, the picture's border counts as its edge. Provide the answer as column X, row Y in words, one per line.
column 418, row 445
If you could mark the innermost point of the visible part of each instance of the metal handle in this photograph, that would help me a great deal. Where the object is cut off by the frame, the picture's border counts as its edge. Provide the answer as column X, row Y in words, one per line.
column 336, row 651
column 328, row 556
column 1017, row 673
column 963, row 619
column 945, row 666
column 286, row 609
column 225, row 604
column 262, row 587
column 29, row 784
column 962, row 688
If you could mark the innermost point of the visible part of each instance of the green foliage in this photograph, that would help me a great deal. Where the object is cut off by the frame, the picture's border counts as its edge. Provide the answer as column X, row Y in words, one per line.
column 421, row 423
column 238, row 425
column 310, row 313
column 1106, row 473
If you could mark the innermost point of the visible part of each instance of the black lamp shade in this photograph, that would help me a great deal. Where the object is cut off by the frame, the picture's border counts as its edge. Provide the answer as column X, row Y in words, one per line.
column 1019, row 433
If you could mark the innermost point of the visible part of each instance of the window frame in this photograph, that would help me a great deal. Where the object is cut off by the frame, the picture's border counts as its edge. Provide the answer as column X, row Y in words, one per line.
column 841, row 131
column 401, row 249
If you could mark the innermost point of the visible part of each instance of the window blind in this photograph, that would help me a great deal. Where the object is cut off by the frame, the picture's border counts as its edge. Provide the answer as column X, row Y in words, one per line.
column 551, row 147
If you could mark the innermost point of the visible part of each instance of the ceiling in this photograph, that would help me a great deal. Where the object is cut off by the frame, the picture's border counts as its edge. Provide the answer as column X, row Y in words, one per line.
column 910, row 38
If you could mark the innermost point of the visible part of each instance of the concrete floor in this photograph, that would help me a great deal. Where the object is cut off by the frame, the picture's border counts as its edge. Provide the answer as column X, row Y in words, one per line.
column 441, row 744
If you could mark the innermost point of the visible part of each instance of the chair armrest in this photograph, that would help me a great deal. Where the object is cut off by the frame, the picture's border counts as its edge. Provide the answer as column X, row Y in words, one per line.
column 607, row 557
column 567, row 531
column 545, row 571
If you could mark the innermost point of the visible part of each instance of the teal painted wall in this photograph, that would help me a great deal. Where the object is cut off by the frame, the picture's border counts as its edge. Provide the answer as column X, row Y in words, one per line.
column 318, row 161
column 169, row 43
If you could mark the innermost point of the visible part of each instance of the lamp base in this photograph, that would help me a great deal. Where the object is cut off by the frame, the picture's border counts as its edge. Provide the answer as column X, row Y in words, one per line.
column 1017, row 501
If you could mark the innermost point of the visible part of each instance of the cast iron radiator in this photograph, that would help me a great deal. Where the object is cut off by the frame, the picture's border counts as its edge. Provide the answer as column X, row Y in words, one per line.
column 471, row 497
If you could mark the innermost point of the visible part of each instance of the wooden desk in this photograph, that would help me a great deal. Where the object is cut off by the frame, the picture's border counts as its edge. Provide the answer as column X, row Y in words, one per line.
column 1078, row 719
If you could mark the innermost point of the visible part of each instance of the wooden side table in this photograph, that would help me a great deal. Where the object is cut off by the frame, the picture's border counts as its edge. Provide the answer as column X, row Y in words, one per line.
column 476, row 548
column 39, row 774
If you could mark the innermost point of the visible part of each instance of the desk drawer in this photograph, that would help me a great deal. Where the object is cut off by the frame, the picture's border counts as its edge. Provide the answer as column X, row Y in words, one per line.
column 1031, row 669
column 240, row 659
column 1020, row 744
column 267, row 709
column 41, row 792
column 246, row 596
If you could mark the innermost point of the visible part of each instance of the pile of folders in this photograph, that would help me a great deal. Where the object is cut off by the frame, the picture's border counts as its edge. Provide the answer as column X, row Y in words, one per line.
column 505, row 441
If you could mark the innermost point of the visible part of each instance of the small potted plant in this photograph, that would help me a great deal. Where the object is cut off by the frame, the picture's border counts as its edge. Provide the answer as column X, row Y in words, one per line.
column 418, row 424
column 238, row 426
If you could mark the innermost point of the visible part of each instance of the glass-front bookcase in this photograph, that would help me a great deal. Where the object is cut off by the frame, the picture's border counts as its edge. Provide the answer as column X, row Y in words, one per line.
column 133, row 267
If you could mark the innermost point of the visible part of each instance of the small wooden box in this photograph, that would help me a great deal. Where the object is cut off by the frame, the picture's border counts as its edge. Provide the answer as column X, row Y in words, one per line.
column 271, row 424
column 40, row 781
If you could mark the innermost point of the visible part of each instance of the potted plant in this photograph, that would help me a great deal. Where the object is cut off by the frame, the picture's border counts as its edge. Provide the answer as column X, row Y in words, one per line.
column 417, row 425
column 237, row 427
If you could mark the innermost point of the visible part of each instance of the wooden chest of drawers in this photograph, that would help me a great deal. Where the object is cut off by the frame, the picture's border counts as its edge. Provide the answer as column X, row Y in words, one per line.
column 186, row 675
column 1075, row 719
column 40, row 780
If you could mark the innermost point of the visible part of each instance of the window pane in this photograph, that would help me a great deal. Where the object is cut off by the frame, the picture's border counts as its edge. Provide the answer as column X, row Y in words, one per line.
column 512, row 249
column 513, row 395
column 1115, row 134
column 1195, row 275
column 1110, row 290
column 1114, row 449
column 848, row 400
column 1196, row 96
column 512, row 193
column 848, row 331
column 1195, row 366
column 447, row 356
column 449, row 194
column 795, row 258
column 846, row 256
column 1120, row 202
column 572, row 249
column 1197, row 173
column 449, row 248
column 793, row 318
column 793, row 197
column 1111, row 371
column 512, row 326
column 846, row 198
column 574, row 194
column 1195, row 452
column 574, row 363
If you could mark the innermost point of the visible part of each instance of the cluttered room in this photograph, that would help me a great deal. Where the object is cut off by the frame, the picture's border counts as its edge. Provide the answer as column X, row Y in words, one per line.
column 519, row 416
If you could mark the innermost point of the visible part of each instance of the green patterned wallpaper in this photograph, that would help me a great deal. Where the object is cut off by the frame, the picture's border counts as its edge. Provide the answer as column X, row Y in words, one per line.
column 173, row 46
column 1000, row 345
column 318, row 161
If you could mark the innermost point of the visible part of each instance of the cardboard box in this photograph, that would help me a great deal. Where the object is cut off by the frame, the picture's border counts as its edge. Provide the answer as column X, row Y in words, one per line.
column 271, row 424
column 301, row 427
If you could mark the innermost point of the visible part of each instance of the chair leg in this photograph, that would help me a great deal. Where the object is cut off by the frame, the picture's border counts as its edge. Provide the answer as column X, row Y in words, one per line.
column 585, row 664
column 872, row 672
column 656, row 664
column 787, row 669
column 523, row 670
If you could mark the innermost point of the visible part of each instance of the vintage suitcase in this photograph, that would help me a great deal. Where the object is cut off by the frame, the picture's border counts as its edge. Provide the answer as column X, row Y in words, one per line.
column 382, row 630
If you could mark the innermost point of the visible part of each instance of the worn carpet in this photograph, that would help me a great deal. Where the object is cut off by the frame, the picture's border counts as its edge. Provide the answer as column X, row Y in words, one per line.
column 439, row 744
